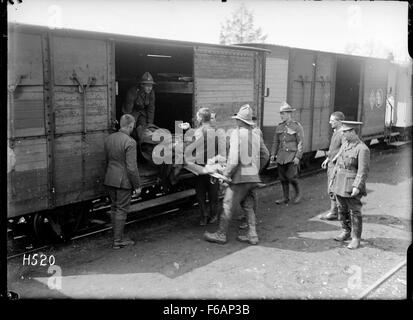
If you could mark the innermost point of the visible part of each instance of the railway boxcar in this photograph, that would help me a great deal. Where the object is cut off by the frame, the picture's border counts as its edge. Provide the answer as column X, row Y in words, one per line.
column 66, row 89
column 317, row 83
column 399, row 100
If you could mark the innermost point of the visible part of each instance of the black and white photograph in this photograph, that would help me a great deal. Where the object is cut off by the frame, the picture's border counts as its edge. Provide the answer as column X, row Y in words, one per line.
column 207, row 150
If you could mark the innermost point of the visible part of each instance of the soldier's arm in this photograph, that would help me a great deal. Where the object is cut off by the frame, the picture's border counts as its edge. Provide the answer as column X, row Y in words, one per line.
column 363, row 168
column 131, row 164
column 233, row 157
column 275, row 143
column 300, row 142
column 150, row 111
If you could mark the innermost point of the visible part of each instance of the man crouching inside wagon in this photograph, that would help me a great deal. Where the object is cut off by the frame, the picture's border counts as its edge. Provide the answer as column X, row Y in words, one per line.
column 242, row 170
column 349, row 183
column 122, row 176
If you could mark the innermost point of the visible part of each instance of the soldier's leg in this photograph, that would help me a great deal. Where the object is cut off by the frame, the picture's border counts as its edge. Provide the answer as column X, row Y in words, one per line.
column 201, row 191
column 213, row 194
column 113, row 207
column 356, row 221
column 344, row 216
column 333, row 213
column 282, row 175
column 123, row 199
column 292, row 176
column 248, row 205
column 233, row 196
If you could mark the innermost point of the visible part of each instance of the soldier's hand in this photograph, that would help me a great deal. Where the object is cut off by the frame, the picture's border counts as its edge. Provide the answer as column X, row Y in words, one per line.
column 137, row 192
column 272, row 158
column 296, row 161
column 324, row 164
column 355, row 192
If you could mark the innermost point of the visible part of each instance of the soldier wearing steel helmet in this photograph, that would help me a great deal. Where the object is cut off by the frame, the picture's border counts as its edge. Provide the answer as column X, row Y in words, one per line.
column 140, row 102
column 287, row 151
column 349, row 183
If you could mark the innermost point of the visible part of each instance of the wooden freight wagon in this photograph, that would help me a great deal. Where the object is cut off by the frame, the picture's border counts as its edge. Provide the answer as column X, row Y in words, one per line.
column 316, row 84
column 66, row 89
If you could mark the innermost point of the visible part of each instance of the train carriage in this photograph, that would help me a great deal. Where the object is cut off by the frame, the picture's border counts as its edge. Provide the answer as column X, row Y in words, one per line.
column 66, row 89
column 318, row 83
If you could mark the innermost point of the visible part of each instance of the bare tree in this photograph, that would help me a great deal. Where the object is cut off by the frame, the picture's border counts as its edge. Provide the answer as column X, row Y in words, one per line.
column 240, row 28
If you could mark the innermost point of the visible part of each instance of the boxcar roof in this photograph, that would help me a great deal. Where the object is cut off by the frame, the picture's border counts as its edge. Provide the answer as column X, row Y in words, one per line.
column 122, row 37
column 269, row 46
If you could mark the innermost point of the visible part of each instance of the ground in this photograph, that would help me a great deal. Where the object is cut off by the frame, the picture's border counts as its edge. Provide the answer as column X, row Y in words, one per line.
column 296, row 258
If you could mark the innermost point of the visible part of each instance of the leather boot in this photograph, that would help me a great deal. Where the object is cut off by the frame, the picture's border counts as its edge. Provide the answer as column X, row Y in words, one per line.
column 286, row 193
column 220, row 236
column 252, row 236
column 356, row 228
column 333, row 213
column 296, row 187
column 118, row 227
column 346, row 233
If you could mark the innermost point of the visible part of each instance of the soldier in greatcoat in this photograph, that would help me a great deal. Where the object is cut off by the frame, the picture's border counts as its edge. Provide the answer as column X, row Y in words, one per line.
column 335, row 144
column 287, row 150
column 349, row 183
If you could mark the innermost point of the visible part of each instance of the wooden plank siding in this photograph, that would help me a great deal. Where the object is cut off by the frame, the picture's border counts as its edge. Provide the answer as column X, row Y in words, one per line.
column 27, row 188
column 374, row 97
column 79, row 179
column 299, row 95
column 27, row 184
column 276, row 79
column 322, row 101
column 224, row 80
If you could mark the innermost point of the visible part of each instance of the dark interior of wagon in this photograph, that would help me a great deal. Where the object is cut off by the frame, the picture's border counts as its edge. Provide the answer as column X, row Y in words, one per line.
column 347, row 87
column 172, row 70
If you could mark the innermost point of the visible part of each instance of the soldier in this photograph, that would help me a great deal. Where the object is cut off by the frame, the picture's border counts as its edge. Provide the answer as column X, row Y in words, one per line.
column 122, row 176
column 349, row 183
column 287, row 149
column 206, row 186
column 242, row 169
column 335, row 144
column 140, row 102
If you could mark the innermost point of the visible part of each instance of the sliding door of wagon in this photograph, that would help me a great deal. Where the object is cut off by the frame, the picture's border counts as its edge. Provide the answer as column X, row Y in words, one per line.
column 27, row 187
column 374, row 98
column 276, row 79
column 82, row 107
column 324, row 76
column 224, row 80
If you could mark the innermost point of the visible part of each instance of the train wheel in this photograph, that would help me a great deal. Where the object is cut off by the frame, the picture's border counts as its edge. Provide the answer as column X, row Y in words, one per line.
column 45, row 227
column 73, row 218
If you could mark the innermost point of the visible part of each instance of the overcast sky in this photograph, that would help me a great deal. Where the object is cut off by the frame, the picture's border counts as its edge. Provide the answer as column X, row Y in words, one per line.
column 326, row 25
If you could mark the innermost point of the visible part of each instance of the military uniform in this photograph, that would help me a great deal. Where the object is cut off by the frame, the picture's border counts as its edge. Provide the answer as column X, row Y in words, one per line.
column 141, row 105
column 287, row 145
column 334, row 148
column 350, row 172
column 243, row 170
column 121, row 177
column 205, row 185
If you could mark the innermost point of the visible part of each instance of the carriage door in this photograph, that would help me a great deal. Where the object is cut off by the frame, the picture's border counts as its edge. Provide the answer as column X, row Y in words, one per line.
column 374, row 97
column 82, row 114
column 224, row 80
column 322, row 101
column 276, row 79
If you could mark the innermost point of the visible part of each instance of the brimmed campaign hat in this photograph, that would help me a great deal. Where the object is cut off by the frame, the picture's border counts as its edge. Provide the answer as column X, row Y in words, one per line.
column 348, row 125
column 285, row 107
column 147, row 79
column 245, row 114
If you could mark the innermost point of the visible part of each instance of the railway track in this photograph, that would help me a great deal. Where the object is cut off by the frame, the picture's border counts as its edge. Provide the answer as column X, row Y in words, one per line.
column 151, row 209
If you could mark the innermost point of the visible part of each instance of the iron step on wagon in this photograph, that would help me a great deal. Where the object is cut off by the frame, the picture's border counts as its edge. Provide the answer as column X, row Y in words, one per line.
column 66, row 89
